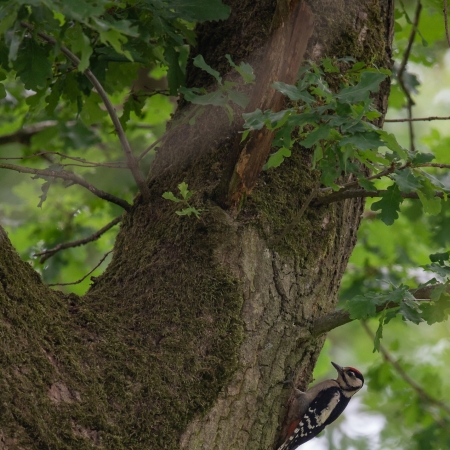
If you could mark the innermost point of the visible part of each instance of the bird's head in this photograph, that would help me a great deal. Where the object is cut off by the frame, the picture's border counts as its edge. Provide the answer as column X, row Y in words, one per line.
column 349, row 379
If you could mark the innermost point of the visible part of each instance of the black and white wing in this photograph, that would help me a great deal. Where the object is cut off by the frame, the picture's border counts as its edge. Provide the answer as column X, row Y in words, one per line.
column 323, row 410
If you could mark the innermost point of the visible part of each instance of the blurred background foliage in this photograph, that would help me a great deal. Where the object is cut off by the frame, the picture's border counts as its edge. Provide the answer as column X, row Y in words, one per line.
column 391, row 412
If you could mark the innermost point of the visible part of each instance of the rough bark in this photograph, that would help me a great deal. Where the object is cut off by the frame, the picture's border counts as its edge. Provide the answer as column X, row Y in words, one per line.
column 186, row 339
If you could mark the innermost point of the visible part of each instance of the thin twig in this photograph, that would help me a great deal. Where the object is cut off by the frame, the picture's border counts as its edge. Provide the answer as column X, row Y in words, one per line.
column 74, row 178
column 46, row 254
column 410, row 40
column 410, row 123
column 393, row 168
column 439, row 166
column 402, row 68
column 419, row 119
column 82, row 279
column 399, row 369
column 151, row 147
column 62, row 155
column 288, row 228
column 108, row 166
column 361, row 193
column 346, row 186
column 446, row 21
column 131, row 160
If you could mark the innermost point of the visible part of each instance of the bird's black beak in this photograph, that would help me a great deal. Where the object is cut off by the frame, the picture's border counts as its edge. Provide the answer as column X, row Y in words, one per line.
column 338, row 368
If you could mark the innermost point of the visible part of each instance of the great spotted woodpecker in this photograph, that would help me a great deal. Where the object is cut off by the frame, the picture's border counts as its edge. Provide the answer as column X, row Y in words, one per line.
column 311, row 411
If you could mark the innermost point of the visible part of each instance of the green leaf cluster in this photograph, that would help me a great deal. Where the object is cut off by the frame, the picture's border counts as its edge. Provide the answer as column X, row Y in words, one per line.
column 106, row 36
column 401, row 301
column 337, row 127
column 334, row 125
column 186, row 194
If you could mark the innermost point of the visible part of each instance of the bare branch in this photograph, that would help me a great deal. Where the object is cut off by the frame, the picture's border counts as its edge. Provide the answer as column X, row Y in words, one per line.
column 410, row 40
column 82, row 279
column 83, row 162
column 393, row 168
column 74, row 178
column 107, row 165
column 402, row 70
column 419, row 119
column 287, row 229
column 346, row 186
column 438, row 165
column 395, row 364
column 151, row 147
column 46, row 254
column 360, row 193
column 340, row 317
column 446, row 22
column 132, row 162
column 410, row 104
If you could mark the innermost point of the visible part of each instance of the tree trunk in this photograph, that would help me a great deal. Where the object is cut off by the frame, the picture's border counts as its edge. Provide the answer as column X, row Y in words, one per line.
column 186, row 339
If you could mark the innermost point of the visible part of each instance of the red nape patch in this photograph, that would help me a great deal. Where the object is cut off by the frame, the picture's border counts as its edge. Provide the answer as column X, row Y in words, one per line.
column 354, row 370
column 292, row 427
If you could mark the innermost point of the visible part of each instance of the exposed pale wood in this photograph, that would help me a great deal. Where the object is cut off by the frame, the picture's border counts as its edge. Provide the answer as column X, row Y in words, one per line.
column 283, row 58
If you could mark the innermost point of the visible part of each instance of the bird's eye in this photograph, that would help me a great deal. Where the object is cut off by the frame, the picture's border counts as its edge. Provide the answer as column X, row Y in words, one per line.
column 351, row 373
